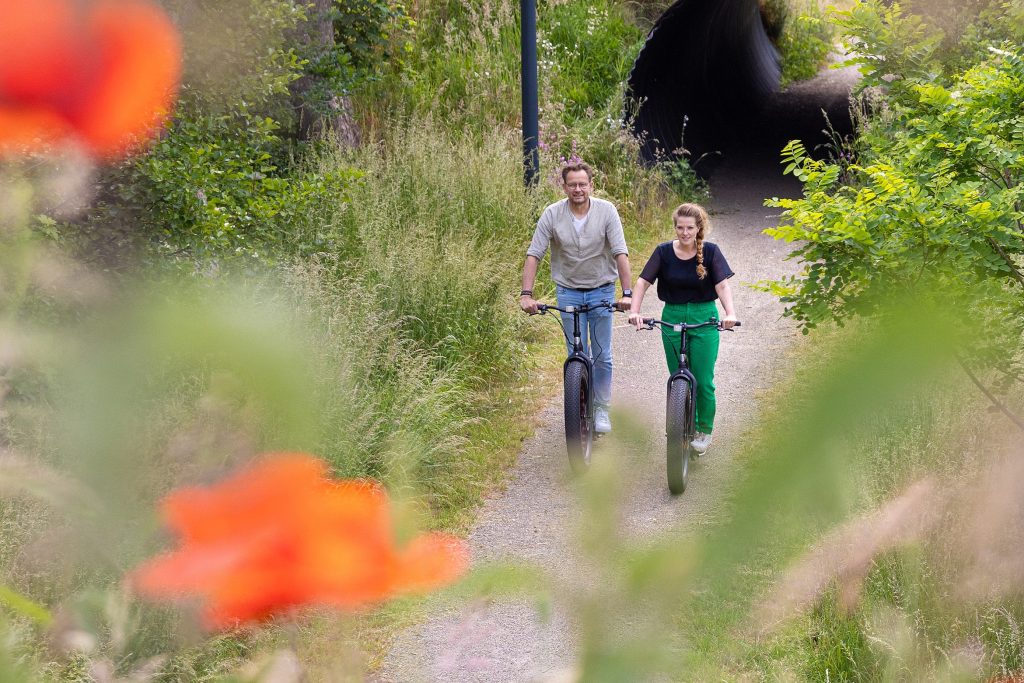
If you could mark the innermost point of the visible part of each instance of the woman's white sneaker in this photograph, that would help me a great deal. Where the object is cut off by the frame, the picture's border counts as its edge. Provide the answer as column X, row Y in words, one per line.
column 700, row 442
column 602, row 423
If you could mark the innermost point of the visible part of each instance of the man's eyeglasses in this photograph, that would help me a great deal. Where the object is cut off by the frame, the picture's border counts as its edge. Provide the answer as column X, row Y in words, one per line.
column 577, row 186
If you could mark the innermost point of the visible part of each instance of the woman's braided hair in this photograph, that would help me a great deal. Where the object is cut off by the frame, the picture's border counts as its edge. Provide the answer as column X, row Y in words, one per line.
column 700, row 216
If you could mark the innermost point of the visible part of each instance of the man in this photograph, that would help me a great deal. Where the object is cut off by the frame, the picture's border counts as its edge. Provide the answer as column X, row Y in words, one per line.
column 588, row 250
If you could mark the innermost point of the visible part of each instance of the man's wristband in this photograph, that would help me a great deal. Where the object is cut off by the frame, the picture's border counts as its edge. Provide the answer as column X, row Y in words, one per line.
column 627, row 292
column 526, row 292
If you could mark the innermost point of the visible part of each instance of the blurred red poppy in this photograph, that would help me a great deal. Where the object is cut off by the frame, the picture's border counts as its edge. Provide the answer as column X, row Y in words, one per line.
column 282, row 535
column 101, row 72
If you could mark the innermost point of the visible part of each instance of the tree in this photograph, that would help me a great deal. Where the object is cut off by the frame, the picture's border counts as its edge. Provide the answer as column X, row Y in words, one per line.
column 317, row 109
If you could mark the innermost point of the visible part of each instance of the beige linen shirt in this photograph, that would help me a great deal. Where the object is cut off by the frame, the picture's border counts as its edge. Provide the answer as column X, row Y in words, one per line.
column 583, row 260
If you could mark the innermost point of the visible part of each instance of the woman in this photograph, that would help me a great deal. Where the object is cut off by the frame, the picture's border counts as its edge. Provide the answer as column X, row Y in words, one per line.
column 691, row 274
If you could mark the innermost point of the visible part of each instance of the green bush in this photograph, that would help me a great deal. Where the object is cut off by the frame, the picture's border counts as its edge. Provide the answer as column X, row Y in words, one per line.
column 237, row 51
column 930, row 206
column 805, row 42
column 367, row 33
column 221, row 186
column 933, row 207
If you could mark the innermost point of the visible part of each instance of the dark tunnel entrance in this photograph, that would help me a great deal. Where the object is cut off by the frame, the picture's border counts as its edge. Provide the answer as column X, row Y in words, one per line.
column 707, row 81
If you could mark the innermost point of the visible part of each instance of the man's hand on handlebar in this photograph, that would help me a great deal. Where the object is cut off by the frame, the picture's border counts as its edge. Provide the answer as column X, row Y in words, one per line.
column 624, row 303
column 528, row 304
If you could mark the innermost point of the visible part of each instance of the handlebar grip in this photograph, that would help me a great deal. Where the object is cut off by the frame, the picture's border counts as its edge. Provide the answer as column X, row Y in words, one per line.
column 737, row 323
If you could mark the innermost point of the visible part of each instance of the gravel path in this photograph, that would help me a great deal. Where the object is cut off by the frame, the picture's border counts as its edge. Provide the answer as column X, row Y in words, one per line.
column 528, row 521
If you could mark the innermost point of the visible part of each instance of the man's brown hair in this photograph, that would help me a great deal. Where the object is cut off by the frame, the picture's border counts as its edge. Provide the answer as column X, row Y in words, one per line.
column 578, row 166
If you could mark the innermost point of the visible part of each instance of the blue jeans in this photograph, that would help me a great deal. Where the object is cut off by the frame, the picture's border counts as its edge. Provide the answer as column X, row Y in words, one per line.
column 599, row 325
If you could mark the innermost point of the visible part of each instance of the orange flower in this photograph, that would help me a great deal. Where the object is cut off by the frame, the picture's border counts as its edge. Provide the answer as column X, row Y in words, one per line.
column 281, row 535
column 103, row 73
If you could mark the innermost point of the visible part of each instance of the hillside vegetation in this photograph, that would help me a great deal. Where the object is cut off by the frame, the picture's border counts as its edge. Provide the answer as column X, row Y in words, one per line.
column 321, row 253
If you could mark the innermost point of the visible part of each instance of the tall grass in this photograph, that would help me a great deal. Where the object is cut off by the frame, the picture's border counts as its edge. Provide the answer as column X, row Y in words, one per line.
column 462, row 68
column 441, row 221
column 890, row 585
column 463, row 72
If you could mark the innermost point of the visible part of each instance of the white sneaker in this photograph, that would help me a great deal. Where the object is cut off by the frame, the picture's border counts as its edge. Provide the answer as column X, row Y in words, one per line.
column 700, row 442
column 602, row 423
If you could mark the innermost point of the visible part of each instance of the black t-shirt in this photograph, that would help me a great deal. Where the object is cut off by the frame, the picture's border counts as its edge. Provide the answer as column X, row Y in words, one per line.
column 677, row 279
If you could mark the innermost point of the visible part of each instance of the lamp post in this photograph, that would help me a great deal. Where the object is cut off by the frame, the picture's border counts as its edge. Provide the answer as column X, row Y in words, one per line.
column 531, row 115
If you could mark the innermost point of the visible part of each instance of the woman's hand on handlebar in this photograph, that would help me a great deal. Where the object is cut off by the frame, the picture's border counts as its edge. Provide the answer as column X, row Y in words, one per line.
column 636, row 319
column 728, row 322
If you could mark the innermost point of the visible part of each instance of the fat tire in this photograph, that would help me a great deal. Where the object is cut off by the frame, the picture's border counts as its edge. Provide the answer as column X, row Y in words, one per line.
column 579, row 432
column 678, row 435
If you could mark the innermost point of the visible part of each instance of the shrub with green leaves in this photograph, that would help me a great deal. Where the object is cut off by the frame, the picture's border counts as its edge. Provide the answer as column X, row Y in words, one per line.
column 891, row 49
column 366, row 33
column 237, row 51
column 805, row 41
column 897, row 46
column 934, row 206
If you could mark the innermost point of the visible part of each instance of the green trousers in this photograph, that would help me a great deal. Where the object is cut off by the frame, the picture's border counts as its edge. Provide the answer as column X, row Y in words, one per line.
column 701, row 351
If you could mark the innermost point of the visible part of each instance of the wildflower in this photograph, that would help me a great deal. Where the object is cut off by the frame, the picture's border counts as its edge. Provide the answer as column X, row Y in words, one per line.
column 102, row 73
column 282, row 535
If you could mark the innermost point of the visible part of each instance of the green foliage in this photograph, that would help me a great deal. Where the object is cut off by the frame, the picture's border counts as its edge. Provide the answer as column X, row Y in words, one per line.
column 682, row 180
column 968, row 26
column 218, row 186
column 805, row 42
column 837, row 647
column 802, row 33
column 237, row 52
column 587, row 50
column 867, row 411
column 178, row 381
column 366, row 34
column 933, row 207
column 461, row 67
column 219, row 182
column 223, row 182
column 364, row 29
column 890, row 48
column 896, row 46
column 463, row 63
column 1002, row 630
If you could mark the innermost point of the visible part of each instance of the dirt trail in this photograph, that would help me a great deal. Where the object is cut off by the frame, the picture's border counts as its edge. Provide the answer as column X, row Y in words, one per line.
column 529, row 521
